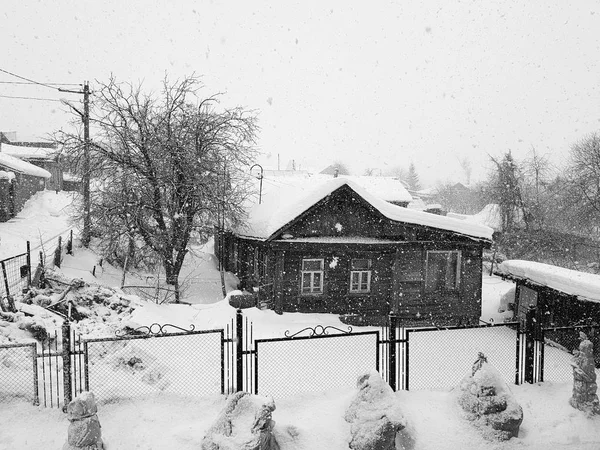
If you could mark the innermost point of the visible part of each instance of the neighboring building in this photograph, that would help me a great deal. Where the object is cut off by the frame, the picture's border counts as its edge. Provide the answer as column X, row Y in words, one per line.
column 20, row 180
column 335, row 169
column 562, row 297
column 334, row 247
column 38, row 154
column 390, row 189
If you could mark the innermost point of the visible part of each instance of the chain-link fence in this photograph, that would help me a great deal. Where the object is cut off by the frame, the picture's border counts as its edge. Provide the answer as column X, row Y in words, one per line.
column 189, row 364
column 15, row 275
column 559, row 345
column 288, row 366
column 18, row 372
column 439, row 359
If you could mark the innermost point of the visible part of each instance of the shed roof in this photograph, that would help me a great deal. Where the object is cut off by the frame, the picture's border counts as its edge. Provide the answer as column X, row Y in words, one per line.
column 570, row 282
column 282, row 206
column 26, row 152
column 20, row 166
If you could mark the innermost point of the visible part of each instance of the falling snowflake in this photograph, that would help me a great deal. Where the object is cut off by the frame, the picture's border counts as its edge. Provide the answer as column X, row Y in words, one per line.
column 338, row 227
column 334, row 262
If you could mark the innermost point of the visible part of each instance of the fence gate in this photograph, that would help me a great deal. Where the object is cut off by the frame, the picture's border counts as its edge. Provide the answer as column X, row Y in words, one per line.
column 313, row 362
column 190, row 363
column 439, row 358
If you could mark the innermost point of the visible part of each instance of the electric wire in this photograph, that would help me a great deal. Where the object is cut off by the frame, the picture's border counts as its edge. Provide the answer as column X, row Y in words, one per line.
column 27, row 79
column 49, row 84
column 32, row 98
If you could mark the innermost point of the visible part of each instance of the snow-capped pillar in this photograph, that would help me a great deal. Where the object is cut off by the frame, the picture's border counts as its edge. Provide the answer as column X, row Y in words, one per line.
column 66, row 357
column 239, row 339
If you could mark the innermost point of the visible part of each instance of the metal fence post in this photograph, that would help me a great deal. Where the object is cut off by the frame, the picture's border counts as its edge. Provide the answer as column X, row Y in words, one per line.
column 518, row 355
column 529, row 344
column 6, row 287
column 28, row 264
column 58, row 252
column 239, row 354
column 392, row 359
column 70, row 244
column 66, row 357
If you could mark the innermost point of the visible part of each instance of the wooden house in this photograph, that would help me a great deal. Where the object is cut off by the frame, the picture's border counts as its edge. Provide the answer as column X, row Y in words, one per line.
column 19, row 181
column 333, row 247
column 40, row 155
column 562, row 297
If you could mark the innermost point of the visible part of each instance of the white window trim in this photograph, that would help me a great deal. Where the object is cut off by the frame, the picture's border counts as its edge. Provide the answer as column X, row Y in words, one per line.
column 458, row 279
column 312, row 290
column 361, row 273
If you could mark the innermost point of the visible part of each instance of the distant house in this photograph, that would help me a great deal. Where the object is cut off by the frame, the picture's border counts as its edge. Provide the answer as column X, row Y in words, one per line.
column 390, row 189
column 334, row 247
column 18, row 182
column 41, row 155
column 562, row 297
column 335, row 169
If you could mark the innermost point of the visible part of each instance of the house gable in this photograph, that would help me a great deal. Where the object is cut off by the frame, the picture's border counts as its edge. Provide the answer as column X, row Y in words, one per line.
column 343, row 213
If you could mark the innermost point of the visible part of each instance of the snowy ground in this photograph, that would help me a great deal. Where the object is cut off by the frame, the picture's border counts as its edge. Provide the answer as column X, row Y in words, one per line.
column 304, row 421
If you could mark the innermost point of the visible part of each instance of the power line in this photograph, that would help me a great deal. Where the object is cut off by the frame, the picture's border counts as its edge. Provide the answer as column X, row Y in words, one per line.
column 27, row 79
column 49, row 84
column 32, row 98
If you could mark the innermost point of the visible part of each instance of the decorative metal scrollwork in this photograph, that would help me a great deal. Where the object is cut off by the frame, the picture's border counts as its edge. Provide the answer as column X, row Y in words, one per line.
column 319, row 330
column 155, row 329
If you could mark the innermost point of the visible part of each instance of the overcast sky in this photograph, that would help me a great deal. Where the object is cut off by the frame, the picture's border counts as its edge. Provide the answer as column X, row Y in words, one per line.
column 374, row 84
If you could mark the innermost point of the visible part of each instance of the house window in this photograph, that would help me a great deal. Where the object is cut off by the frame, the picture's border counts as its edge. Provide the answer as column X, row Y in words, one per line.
column 360, row 275
column 312, row 276
column 442, row 271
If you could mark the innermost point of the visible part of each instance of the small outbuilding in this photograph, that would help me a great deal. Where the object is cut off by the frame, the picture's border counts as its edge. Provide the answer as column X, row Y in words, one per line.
column 19, row 180
column 331, row 246
column 45, row 157
column 562, row 297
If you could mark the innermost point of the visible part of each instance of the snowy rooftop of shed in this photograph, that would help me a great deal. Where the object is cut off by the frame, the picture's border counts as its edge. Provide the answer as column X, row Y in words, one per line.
column 20, row 166
column 284, row 202
column 25, row 152
column 571, row 282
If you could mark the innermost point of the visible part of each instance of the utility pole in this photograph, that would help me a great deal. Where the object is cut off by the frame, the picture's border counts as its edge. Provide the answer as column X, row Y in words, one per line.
column 85, row 117
column 85, row 239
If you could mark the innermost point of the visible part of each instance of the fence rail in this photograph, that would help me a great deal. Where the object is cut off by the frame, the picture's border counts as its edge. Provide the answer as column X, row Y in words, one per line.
column 188, row 362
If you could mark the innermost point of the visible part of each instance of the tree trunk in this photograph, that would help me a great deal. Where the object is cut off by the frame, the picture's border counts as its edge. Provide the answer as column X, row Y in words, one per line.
column 172, row 277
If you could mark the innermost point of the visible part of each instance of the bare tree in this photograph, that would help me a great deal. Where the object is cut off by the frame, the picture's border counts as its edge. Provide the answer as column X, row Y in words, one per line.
column 165, row 168
column 504, row 188
column 583, row 175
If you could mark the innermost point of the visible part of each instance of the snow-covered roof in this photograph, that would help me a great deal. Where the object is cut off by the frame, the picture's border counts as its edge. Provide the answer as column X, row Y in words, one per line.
column 387, row 188
column 282, row 203
column 489, row 216
column 20, row 166
column 572, row 282
column 25, row 152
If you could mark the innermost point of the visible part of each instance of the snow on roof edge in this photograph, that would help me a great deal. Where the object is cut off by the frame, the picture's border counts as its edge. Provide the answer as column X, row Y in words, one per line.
column 571, row 282
column 18, row 165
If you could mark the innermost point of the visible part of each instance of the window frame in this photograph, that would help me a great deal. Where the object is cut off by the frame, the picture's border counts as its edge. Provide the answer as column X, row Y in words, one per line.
column 311, row 289
column 457, row 274
column 360, row 273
